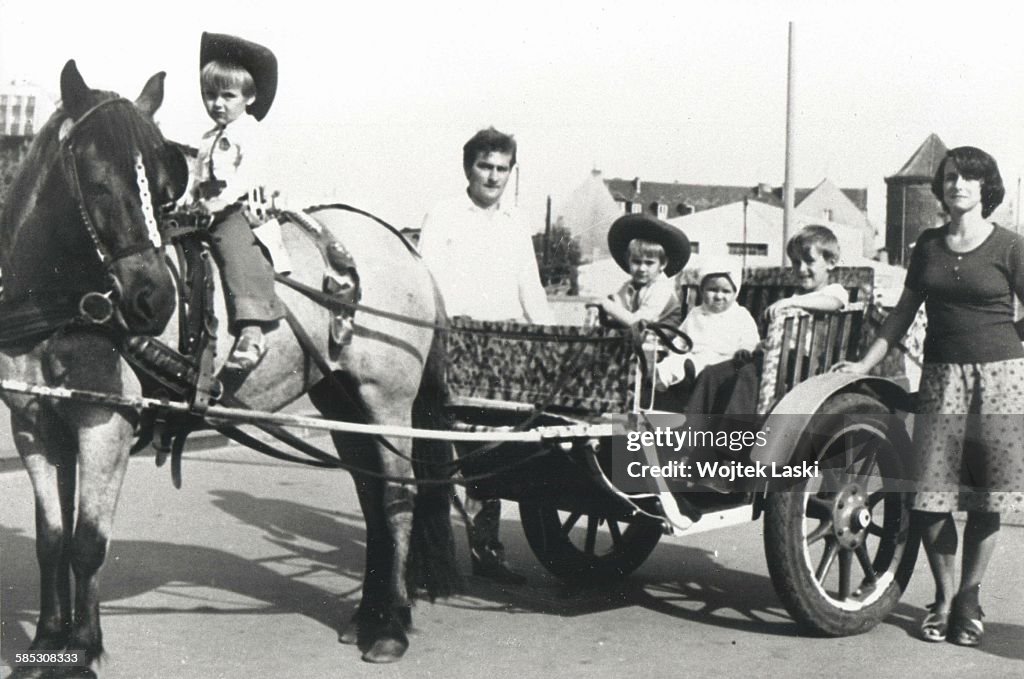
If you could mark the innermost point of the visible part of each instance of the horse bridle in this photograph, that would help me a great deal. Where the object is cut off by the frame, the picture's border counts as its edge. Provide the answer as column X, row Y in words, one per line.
column 99, row 307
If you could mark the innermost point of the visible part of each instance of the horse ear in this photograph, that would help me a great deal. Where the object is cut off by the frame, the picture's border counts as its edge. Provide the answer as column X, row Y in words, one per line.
column 152, row 94
column 74, row 93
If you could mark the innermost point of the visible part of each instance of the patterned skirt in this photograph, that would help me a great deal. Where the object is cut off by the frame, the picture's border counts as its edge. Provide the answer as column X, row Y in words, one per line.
column 969, row 437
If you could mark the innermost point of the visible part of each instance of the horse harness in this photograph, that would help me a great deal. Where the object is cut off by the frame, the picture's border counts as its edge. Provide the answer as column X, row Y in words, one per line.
column 25, row 319
column 187, row 371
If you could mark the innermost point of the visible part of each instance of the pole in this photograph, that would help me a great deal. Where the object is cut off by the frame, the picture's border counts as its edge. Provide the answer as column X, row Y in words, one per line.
column 546, row 257
column 287, row 419
column 789, row 190
column 746, row 202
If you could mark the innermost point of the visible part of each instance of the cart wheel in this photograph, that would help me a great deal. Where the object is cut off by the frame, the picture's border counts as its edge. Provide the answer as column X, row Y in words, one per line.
column 583, row 548
column 839, row 547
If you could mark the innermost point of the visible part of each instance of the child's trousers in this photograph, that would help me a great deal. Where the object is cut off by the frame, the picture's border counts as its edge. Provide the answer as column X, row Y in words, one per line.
column 247, row 275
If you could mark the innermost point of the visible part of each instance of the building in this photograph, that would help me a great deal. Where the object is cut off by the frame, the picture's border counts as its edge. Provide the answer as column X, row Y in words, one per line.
column 751, row 231
column 831, row 204
column 910, row 206
column 826, row 201
column 667, row 200
column 24, row 108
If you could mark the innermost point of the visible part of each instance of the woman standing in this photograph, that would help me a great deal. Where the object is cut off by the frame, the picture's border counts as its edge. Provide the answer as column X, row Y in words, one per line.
column 969, row 431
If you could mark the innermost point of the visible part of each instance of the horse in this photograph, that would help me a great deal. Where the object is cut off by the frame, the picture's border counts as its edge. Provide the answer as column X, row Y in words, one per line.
column 79, row 233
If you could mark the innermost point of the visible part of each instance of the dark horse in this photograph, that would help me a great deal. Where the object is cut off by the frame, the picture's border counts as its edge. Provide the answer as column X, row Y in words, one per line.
column 80, row 227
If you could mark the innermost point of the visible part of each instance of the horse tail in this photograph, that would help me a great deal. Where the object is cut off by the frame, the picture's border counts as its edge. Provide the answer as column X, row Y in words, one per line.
column 432, row 563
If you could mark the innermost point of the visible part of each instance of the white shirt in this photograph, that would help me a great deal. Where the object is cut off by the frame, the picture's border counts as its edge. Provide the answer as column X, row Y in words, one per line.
column 236, row 156
column 483, row 262
column 716, row 338
column 657, row 301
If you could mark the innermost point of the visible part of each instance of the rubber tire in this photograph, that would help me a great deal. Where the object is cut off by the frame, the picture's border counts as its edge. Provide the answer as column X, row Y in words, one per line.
column 789, row 564
column 573, row 564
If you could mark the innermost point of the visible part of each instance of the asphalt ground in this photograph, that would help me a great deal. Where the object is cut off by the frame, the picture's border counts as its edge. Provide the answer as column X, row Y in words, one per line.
column 251, row 567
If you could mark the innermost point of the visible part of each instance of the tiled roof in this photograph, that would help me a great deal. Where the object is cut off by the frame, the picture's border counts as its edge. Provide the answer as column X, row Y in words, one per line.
column 699, row 196
column 704, row 196
column 925, row 161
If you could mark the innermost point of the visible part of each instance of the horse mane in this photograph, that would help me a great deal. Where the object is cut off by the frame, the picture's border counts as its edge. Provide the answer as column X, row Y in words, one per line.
column 110, row 129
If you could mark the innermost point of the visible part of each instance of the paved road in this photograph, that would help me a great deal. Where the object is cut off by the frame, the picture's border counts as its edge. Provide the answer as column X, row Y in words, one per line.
column 248, row 570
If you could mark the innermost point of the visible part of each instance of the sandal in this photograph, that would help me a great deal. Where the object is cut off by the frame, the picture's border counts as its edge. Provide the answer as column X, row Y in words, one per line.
column 247, row 354
column 935, row 625
column 966, row 629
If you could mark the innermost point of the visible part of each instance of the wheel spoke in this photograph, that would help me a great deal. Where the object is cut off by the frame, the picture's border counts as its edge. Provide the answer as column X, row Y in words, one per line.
column 876, row 497
column 826, row 561
column 823, row 530
column 592, row 523
column 570, row 522
column 876, row 530
column 865, row 563
column 845, row 571
column 863, row 474
column 613, row 529
column 819, row 507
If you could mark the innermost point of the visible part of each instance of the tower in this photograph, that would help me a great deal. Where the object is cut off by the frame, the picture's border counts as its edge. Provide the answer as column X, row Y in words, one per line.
column 910, row 206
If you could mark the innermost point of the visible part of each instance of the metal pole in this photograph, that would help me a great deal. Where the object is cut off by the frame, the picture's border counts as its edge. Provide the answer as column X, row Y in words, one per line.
column 546, row 257
column 746, row 202
column 789, row 190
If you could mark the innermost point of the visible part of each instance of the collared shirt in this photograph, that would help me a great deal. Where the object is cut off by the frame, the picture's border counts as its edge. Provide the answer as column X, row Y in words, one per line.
column 657, row 301
column 483, row 262
column 232, row 154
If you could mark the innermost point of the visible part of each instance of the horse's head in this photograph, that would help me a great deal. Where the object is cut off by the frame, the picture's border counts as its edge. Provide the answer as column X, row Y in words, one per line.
column 119, row 171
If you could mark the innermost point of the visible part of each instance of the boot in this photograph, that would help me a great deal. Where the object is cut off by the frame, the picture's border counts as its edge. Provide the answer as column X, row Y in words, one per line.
column 490, row 563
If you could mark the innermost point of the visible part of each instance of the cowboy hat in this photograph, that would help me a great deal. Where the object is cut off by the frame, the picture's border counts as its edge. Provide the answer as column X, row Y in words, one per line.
column 257, row 59
column 630, row 227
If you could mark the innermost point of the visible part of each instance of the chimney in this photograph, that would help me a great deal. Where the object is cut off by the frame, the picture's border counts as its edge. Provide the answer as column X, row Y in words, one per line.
column 763, row 190
column 636, row 184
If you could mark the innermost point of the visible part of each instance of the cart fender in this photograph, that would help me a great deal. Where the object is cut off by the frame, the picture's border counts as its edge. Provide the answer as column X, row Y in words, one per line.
column 791, row 416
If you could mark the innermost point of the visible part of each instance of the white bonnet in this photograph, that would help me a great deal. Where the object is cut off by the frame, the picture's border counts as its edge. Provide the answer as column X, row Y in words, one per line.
column 721, row 266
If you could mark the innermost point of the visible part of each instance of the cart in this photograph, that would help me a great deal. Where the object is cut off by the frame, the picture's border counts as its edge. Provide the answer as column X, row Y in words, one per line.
column 838, row 547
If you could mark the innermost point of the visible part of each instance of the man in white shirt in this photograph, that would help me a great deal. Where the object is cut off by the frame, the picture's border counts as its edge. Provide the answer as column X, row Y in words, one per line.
column 477, row 246
column 481, row 255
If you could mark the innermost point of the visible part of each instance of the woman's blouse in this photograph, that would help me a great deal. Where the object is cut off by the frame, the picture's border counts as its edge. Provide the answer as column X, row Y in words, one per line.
column 969, row 296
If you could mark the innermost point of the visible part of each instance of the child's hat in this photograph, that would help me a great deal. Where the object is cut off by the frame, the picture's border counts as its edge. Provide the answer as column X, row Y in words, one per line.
column 721, row 266
column 630, row 227
column 257, row 59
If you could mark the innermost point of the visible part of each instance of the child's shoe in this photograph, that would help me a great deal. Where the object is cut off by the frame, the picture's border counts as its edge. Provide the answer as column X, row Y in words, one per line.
column 249, row 350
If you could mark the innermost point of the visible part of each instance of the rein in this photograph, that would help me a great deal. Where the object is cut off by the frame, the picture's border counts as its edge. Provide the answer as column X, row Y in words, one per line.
column 98, row 307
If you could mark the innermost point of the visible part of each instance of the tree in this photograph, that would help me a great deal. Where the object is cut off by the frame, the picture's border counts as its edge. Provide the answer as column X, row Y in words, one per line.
column 563, row 256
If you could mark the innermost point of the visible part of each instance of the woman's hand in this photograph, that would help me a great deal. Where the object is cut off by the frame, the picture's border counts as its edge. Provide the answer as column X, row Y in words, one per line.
column 853, row 367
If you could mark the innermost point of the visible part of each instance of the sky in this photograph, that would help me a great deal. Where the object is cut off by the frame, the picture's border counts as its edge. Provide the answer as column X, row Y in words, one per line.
column 376, row 98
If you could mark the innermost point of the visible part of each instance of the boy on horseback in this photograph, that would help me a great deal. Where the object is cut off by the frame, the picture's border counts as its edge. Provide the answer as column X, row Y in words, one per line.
column 238, row 80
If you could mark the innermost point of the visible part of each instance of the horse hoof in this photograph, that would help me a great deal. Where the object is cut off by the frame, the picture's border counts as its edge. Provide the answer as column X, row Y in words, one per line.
column 386, row 650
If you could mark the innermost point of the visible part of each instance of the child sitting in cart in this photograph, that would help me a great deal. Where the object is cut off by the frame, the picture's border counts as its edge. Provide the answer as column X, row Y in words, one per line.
column 238, row 80
column 717, row 329
column 652, row 251
column 731, row 387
